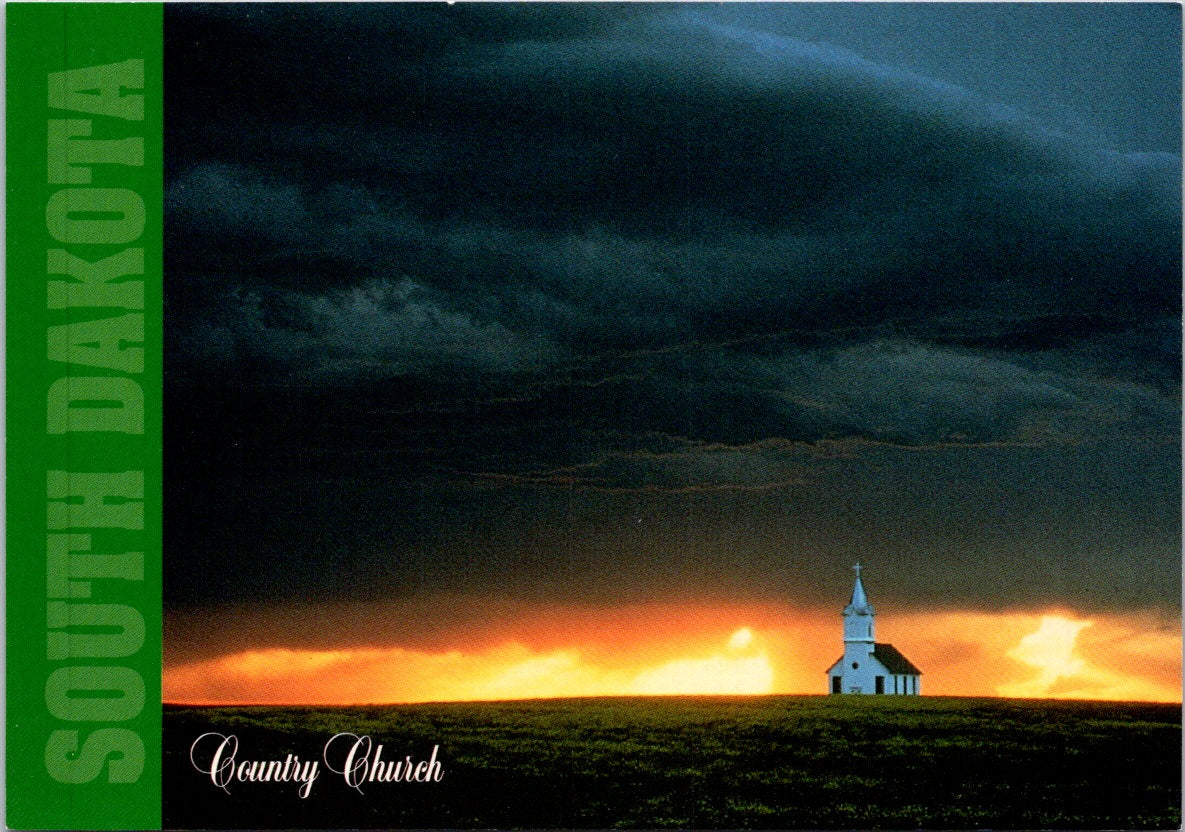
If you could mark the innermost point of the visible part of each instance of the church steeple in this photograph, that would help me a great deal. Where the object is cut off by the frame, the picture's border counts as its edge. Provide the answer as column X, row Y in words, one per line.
column 859, row 599
column 859, row 615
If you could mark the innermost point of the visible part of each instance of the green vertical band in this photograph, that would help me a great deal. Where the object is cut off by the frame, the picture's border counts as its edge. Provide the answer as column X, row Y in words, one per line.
column 84, row 239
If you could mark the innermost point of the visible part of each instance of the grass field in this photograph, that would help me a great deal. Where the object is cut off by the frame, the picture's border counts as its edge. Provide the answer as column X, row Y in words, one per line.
column 706, row 763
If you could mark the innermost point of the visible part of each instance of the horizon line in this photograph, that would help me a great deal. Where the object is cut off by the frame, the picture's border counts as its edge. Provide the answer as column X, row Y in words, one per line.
column 872, row 697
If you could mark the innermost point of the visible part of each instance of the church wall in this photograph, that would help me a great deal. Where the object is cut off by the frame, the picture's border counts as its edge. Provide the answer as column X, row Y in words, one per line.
column 864, row 677
column 861, row 679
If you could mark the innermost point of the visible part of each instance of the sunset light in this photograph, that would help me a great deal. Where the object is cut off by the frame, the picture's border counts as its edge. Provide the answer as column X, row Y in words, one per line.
column 741, row 639
column 717, row 674
column 1050, row 649
column 667, row 650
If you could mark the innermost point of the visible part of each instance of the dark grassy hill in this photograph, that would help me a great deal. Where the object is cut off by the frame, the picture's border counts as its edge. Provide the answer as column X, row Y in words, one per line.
column 705, row 762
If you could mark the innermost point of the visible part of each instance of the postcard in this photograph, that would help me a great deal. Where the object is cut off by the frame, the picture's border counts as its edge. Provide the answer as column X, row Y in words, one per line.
column 594, row 415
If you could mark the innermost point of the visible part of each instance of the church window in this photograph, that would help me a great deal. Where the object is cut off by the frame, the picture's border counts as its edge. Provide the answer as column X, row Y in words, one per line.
column 835, row 683
column 880, row 684
column 855, row 665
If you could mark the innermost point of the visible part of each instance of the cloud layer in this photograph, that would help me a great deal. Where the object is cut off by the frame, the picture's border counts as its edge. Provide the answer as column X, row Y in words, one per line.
column 637, row 251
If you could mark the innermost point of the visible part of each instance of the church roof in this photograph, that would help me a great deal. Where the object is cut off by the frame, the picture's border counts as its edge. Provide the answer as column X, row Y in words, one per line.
column 890, row 657
column 893, row 660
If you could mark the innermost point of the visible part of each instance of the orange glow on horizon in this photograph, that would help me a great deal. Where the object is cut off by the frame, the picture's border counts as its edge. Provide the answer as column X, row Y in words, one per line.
column 685, row 649
column 745, row 669
column 1049, row 649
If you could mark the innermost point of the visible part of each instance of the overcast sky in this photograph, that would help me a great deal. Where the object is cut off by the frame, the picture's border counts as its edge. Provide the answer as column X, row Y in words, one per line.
column 613, row 303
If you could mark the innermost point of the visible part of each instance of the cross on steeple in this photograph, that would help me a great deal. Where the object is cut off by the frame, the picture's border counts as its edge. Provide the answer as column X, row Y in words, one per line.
column 859, row 599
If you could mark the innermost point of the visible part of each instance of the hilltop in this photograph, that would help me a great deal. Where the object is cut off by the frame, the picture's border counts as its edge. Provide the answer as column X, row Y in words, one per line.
column 705, row 762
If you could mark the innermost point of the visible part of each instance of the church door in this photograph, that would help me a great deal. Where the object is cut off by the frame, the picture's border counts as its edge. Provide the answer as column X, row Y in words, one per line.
column 880, row 684
column 835, row 683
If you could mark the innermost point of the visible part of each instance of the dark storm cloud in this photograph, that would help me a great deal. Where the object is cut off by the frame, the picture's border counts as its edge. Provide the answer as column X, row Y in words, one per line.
column 644, row 249
column 527, row 200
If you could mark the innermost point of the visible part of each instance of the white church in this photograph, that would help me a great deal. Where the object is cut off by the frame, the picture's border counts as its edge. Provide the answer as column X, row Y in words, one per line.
column 868, row 667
